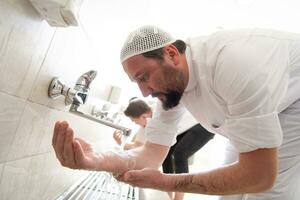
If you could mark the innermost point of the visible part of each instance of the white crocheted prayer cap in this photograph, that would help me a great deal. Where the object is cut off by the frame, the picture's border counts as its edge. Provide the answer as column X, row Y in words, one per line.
column 145, row 39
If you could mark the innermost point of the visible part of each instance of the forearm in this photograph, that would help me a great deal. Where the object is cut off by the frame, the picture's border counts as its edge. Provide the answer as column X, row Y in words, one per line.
column 245, row 176
column 223, row 181
column 132, row 145
column 148, row 155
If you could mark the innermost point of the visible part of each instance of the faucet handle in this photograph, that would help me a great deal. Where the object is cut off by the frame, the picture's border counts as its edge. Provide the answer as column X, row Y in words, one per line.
column 78, row 95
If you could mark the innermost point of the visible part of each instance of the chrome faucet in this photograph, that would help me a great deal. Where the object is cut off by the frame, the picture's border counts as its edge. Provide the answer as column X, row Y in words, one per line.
column 82, row 87
column 78, row 96
column 126, row 131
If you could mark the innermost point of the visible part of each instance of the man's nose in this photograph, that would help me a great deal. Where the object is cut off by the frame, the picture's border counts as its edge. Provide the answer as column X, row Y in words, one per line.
column 146, row 90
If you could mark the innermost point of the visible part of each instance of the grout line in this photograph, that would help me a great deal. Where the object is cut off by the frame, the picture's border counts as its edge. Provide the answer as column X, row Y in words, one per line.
column 13, row 95
column 36, row 77
column 29, row 100
column 41, row 66
column 2, row 171
column 32, row 155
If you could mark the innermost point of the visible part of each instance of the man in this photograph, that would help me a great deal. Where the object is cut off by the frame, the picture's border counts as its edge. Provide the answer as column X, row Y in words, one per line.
column 190, row 137
column 242, row 84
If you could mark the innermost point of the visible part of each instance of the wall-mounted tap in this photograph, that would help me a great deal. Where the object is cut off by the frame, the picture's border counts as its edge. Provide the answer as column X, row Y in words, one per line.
column 126, row 131
column 83, row 86
column 78, row 95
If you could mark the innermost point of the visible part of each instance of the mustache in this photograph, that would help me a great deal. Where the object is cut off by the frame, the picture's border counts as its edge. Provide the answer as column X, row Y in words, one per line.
column 156, row 94
column 172, row 98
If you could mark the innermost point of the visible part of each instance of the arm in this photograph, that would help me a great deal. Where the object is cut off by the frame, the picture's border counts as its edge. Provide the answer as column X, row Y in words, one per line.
column 149, row 155
column 132, row 145
column 129, row 145
column 75, row 153
column 254, row 172
column 117, row 135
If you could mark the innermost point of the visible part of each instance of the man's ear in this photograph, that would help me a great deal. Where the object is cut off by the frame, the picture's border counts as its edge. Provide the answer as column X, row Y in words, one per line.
column 172, row 53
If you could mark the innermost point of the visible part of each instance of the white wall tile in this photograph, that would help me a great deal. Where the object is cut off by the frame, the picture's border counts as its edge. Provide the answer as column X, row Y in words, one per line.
column 35, row 178
column 34, row 133
column 1, row 170
column 32, row 136
column 31, row 54
column 24, row 40
column 11, row 109
column 70, row 55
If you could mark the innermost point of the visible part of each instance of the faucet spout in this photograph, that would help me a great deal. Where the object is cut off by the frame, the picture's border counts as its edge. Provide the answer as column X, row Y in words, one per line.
column 74, row 110
column 84, row 81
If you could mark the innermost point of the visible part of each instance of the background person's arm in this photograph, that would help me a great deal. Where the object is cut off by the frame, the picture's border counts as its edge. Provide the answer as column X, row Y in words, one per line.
column 117, row 135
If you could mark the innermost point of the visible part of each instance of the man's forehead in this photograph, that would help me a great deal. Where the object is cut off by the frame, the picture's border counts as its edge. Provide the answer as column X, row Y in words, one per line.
column 131, row 70
column 134, row 65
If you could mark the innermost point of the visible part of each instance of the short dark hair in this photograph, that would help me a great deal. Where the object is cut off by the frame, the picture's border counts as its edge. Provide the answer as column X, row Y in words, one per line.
column 159, row 54
column 136, row 108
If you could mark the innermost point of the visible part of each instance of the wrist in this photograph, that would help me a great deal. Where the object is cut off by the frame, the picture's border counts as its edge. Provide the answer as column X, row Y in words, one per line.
column 130, row 160
column 178, row 182
column 168, row 182
column 120, row 161
column 99, row 166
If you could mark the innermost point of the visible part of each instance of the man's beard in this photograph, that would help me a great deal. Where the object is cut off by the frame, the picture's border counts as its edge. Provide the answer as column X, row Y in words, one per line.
column 172, row 95
column 172, row 98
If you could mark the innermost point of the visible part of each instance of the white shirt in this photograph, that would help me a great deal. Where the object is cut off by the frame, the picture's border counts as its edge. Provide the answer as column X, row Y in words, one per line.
column 186, row 122
column 238, row 83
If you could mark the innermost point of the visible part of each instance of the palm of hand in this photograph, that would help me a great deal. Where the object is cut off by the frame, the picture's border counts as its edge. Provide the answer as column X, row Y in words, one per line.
column 75, row 153
column 90, row 156
column 109, row 161
column 86, row 147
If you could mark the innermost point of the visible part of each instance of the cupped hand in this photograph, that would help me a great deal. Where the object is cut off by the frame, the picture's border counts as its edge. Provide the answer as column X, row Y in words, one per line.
column 76, row 153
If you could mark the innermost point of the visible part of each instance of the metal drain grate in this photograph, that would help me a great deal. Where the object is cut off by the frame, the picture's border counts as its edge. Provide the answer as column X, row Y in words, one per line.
column 100, row 186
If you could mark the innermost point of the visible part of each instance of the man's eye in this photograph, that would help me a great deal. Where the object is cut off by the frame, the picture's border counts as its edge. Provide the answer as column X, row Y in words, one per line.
column 143, row 78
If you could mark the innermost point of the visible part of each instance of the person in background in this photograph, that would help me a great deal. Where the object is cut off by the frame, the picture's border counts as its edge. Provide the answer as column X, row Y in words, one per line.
column 138, row 111
column 191, row 137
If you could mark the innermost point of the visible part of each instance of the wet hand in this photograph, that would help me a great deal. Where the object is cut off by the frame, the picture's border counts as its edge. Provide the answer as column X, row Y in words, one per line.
column 118, row 136
column 73, row 152
column 146, row 178
column 76, row 153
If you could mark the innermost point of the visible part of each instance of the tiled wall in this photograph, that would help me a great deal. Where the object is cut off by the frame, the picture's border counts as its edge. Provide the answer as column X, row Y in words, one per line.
column 31, row 54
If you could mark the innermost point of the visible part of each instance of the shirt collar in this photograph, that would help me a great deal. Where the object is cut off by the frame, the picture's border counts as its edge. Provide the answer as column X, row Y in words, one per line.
column 192, row 79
